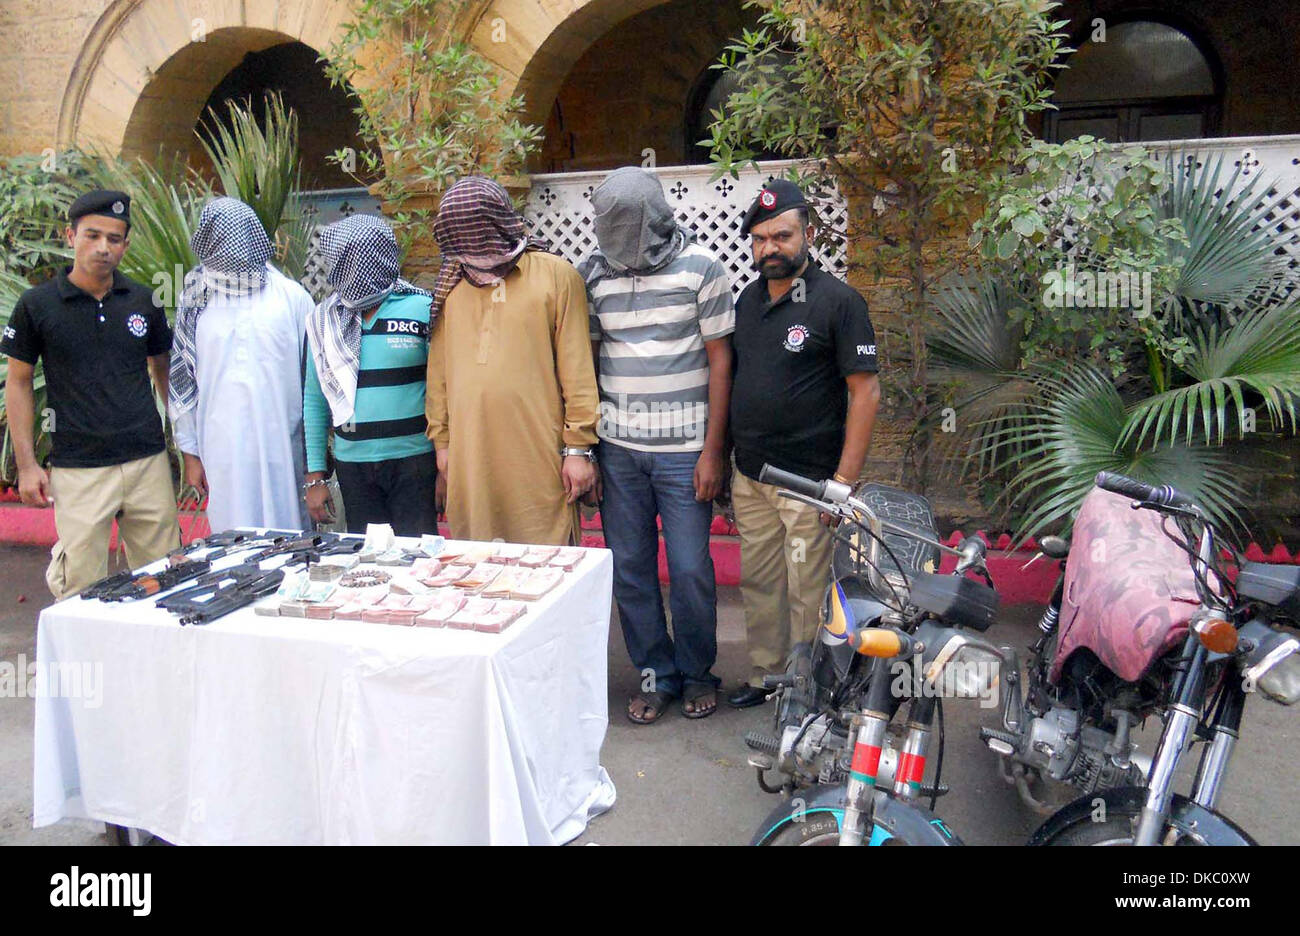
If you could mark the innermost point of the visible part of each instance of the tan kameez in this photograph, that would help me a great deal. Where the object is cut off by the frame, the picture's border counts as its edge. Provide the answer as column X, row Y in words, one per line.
column 510, row 383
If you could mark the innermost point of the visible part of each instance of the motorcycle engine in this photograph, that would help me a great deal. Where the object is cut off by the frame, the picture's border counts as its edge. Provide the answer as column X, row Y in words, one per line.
column 1092, row 759
column 820, row 754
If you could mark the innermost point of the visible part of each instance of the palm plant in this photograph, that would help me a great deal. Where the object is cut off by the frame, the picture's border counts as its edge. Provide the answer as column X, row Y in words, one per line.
column 1229, row 341
column 166, row 199
column 11, row 287
column 258, row 162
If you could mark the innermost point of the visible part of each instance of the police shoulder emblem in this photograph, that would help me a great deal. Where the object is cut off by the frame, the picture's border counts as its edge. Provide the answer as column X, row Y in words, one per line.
column 137, row 325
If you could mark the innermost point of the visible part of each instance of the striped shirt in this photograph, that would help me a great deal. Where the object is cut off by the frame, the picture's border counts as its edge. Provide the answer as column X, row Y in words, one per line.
column 388, row 419
column 654, row 369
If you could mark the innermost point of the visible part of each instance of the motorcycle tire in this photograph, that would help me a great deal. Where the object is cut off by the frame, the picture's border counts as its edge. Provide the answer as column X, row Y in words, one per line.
column 821, row 829
column 1073, row 824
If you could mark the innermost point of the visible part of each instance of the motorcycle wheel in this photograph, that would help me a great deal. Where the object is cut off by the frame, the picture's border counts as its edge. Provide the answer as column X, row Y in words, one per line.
column 1117, row 830
column 816, row 830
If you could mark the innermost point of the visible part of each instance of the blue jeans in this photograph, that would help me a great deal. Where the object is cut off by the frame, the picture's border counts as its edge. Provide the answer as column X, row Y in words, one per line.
column 639, row 485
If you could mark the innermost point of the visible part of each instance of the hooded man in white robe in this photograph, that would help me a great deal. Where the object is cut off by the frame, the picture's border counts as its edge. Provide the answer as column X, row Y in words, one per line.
column 236, row 375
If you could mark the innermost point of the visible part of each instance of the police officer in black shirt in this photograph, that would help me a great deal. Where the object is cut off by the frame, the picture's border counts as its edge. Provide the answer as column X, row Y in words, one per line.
column 100, row 336
column 804, row 399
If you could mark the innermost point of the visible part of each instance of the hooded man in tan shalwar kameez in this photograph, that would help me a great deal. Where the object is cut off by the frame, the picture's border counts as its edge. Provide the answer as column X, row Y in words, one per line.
column 511, row 393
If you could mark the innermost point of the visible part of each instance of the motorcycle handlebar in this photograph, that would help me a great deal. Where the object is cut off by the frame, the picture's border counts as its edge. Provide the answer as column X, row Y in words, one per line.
column 1163, row 495
column 797, row 483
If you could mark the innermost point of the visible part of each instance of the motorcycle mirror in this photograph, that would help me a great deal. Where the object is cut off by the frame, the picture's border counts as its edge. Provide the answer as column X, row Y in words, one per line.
column 1054, row 547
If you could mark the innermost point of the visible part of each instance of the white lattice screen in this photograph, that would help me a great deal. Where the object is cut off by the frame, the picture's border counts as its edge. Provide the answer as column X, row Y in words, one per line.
column 1274, row 159
column 559, row 204
column 559, row 209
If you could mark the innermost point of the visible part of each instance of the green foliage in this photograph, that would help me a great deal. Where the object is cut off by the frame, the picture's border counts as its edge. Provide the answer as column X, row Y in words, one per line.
column 255, row 162
column 427, row 104
column 258, row 162
column 1155, row 395
column 1076, row 427
column 909, row 104
column 1073, row 215
column 35, row 194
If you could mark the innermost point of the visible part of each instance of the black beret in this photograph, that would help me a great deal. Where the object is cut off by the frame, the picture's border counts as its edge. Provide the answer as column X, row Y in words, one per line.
column 776, row 197
column 107, row 203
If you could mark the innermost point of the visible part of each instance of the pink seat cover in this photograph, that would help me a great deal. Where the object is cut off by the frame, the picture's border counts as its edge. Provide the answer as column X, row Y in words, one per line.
column 1129, row 591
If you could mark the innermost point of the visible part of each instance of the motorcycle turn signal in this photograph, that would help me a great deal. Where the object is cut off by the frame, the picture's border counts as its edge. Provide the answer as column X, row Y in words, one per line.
column 1215, row 631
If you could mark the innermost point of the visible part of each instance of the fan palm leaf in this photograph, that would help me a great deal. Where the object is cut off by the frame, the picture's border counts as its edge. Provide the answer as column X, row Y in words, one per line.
column 973, row 363
column 1258, row 353
column 1231, row 249
column 1076, row 431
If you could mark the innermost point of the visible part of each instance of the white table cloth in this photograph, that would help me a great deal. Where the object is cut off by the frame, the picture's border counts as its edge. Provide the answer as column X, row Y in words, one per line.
column 256, row 729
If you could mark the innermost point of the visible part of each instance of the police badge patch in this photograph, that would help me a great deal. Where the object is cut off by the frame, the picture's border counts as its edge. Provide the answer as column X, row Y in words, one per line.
column 795, row 337
column 136, row 324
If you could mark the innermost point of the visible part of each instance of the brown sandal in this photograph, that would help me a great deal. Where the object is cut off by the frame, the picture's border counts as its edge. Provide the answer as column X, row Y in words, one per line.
column 695, row 697
column 656, row 703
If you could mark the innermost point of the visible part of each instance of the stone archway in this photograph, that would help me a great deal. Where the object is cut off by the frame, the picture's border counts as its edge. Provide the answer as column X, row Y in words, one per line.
column 148, row 66
column 535, row 43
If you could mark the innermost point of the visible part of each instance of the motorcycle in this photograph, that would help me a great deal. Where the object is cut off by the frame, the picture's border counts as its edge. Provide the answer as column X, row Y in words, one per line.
column 1144, row 621
column 892, row 630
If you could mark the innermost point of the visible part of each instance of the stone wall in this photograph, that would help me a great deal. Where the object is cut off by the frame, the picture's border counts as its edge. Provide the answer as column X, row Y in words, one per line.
column 42, row 41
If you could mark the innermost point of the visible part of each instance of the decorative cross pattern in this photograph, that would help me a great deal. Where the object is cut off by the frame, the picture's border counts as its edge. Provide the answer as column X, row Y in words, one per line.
column 1274, row 159
column 712, row 211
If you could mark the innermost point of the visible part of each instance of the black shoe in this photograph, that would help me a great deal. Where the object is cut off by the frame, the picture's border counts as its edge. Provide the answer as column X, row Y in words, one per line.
column 747, row 696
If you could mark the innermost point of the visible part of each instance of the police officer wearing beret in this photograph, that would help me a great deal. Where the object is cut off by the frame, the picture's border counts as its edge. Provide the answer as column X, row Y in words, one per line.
column 100, row 336
column 804, row 400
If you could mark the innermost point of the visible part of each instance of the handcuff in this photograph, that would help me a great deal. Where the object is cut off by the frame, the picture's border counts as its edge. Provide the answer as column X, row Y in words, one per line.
column 587, row 453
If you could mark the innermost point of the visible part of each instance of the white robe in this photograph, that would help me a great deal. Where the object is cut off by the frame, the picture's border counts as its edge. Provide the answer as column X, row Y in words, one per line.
column 247, row 424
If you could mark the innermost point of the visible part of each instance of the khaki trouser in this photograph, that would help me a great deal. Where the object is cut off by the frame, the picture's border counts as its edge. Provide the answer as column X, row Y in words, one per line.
column 86, row 500
column 785, row 555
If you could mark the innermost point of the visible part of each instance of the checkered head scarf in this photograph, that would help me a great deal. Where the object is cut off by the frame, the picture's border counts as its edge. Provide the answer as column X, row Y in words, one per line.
column 363, row 265
column 479, row 234
column 234, row 254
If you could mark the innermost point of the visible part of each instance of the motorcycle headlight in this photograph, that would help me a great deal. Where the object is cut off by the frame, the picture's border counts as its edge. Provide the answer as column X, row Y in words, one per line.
column 1273, row 665
column 1281, row 682
column 959, row 665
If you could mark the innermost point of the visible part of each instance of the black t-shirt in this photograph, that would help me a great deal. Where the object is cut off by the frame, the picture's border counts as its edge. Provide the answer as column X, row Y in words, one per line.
column 789, row 400
column 100, row 401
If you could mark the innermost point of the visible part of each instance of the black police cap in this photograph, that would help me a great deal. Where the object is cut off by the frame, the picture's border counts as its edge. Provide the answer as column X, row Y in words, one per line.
column 105, row 202
column 775, row 198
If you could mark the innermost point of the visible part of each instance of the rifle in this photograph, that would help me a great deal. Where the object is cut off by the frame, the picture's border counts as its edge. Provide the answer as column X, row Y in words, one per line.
column 147, row 584
column 221, row 593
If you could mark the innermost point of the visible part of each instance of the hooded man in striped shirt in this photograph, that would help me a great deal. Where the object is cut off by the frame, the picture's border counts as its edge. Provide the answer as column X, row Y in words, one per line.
column 661, row 314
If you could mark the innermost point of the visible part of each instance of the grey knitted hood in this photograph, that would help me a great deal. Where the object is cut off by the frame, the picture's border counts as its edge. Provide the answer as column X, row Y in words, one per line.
column 635, row 228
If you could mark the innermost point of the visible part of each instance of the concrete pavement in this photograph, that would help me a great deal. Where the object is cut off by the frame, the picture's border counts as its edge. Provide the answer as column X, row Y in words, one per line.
column 686, row 781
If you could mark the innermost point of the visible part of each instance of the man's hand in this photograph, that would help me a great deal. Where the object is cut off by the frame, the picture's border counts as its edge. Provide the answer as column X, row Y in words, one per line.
column 709, row 472
column 195, row 476
column 579, row 476
column 34, row 486
column 440, row 493
column 320, row 502
column 440, row 455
